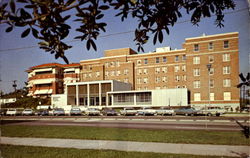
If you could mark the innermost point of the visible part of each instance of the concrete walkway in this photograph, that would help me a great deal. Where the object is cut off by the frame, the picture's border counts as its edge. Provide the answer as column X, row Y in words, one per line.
column 194, row 149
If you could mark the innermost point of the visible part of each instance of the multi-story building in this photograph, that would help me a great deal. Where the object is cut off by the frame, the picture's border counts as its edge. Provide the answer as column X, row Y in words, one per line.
column 207, row 66
column 180, row 68
column 47, row 79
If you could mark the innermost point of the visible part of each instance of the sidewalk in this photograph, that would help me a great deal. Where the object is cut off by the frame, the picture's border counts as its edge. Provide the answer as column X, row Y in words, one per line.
column 194, row 149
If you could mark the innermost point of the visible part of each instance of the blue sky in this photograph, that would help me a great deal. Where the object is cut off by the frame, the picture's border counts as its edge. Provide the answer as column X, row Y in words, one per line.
column 13, row 63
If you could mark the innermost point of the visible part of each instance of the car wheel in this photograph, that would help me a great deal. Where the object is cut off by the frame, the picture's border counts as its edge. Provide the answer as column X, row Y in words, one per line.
column 186, row 114
column 218, row 114
column 209, row 114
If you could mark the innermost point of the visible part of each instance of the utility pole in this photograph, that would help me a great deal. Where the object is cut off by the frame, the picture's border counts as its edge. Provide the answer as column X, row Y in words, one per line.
column 14, row 84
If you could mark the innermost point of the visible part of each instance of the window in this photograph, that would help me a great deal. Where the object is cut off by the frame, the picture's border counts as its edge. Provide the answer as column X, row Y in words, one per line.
column 226, row 44
column 196, row 47
column 183, row 68
column 211, row 59
column 226, row 70
column 138, row 80
column 210, row 46
column 164, row 79
column 97, row 74
column 211, row 96
column 196, row 60
column 184, row 57
column 165, row 87
column 164, row 69
column 145, row 88
column 176, row 68
column 145, row 80
column 138, row 62
column 176, row 58
column 211, row 83
column 118, row 72
column 112, row 73
column 184, row 78
column 139, row 71
column 227, row 95
column 177, row 78
column 157, row 60
column 196, row 72
column 145, row 71
column 157, row 79
column 211, row 71
column 157, row 70
column 197, row 97
column 112, row 64
column 197, row 84
column 126, row 80
column 164, row 59
column 226, row 83
column 90, row 75
column 145, row 61
column 106, row 73
column 226, row 57
column 143, row 97
column 106, row 64
column 178, row 86
column 125, row 71
column 117, row 63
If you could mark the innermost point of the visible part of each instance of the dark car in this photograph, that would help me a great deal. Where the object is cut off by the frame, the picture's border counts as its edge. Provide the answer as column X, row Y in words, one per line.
column 187, row 111
column 109, row 112
column 43, row 113
column 58, row 112
column 75, row 111
column 3, row 112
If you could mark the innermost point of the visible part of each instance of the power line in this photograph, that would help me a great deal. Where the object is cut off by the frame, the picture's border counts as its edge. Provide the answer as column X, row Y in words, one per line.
column 114, row 34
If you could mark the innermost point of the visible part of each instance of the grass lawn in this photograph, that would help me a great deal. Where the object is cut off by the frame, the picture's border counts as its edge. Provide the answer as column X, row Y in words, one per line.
column 10, row 151
column 95, row 133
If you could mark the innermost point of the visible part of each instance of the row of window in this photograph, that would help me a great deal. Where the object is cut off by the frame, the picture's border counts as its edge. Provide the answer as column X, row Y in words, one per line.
column 163, row 69
column 211, row 46
column 163, row 87
column 226, row 96
column 226, row 83
column 225, row 58
column 226, row 70
column 164, row 59
column 161, row 79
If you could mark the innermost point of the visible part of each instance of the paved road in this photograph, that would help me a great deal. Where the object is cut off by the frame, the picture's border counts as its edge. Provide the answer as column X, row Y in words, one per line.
column 194, row 149
column 183, row 124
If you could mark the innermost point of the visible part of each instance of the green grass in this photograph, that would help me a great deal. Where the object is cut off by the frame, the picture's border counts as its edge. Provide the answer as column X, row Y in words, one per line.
column 10, row 151
column 95, row 133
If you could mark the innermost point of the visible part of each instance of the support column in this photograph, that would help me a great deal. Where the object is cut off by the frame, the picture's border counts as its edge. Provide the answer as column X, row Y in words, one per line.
column 134, row 98
column 77, row 95
column 88, row 91
column 100, row 94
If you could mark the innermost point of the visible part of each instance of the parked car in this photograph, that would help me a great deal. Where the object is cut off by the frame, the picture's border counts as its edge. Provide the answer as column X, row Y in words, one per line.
column 165, row 111
column 75, row 111
column 42, row 113
column 3, row 112
column 146, row 111
column 13, row 112
column 213, row 110
column 92, row 111
column 27, row 112
column 58, row 112
column 109, row 112
column 128, row 111
column 187, row 111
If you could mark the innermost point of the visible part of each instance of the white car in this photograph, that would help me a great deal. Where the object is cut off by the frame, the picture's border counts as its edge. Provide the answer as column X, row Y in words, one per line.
column 146, row 111
column 165, row 111
column 93, row 111
column 12, row 112
column 213, row 110
column 27, row 112
column 128, row 111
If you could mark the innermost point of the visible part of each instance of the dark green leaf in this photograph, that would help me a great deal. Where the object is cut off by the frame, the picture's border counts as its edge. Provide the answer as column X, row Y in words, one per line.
column 93, row 44
column 65, row 59
column 57, row 55
column 9, row 29
column 155, row 38
column 88, row 44
column 69, row 2
column 22, row 1
column 35, row 32
column 160, row 36
column 104, row 7
column 12, row 6
column 99, row 16
column 30, row 6
column 25, row 33
column 66, row 17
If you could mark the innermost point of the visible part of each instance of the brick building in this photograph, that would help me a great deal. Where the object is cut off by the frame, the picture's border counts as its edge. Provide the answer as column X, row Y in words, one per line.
column 168, row 69
column 47, row 79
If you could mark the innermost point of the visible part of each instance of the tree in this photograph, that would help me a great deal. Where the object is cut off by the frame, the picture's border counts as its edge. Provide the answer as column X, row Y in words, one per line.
column 46, row 20
column 245, row 82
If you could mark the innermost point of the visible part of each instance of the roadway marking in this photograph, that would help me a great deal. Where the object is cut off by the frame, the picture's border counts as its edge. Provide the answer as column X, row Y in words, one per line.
column 109, row 119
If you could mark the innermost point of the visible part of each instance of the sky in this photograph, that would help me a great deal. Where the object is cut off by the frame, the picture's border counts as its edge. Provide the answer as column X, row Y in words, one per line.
column 18, row 54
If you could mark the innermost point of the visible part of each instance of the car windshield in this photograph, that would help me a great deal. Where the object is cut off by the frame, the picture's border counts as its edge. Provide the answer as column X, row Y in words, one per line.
column 28, row 110
column 12, row 110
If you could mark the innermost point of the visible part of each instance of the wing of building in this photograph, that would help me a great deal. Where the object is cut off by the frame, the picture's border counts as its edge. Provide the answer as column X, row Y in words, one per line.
column 207, row 67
